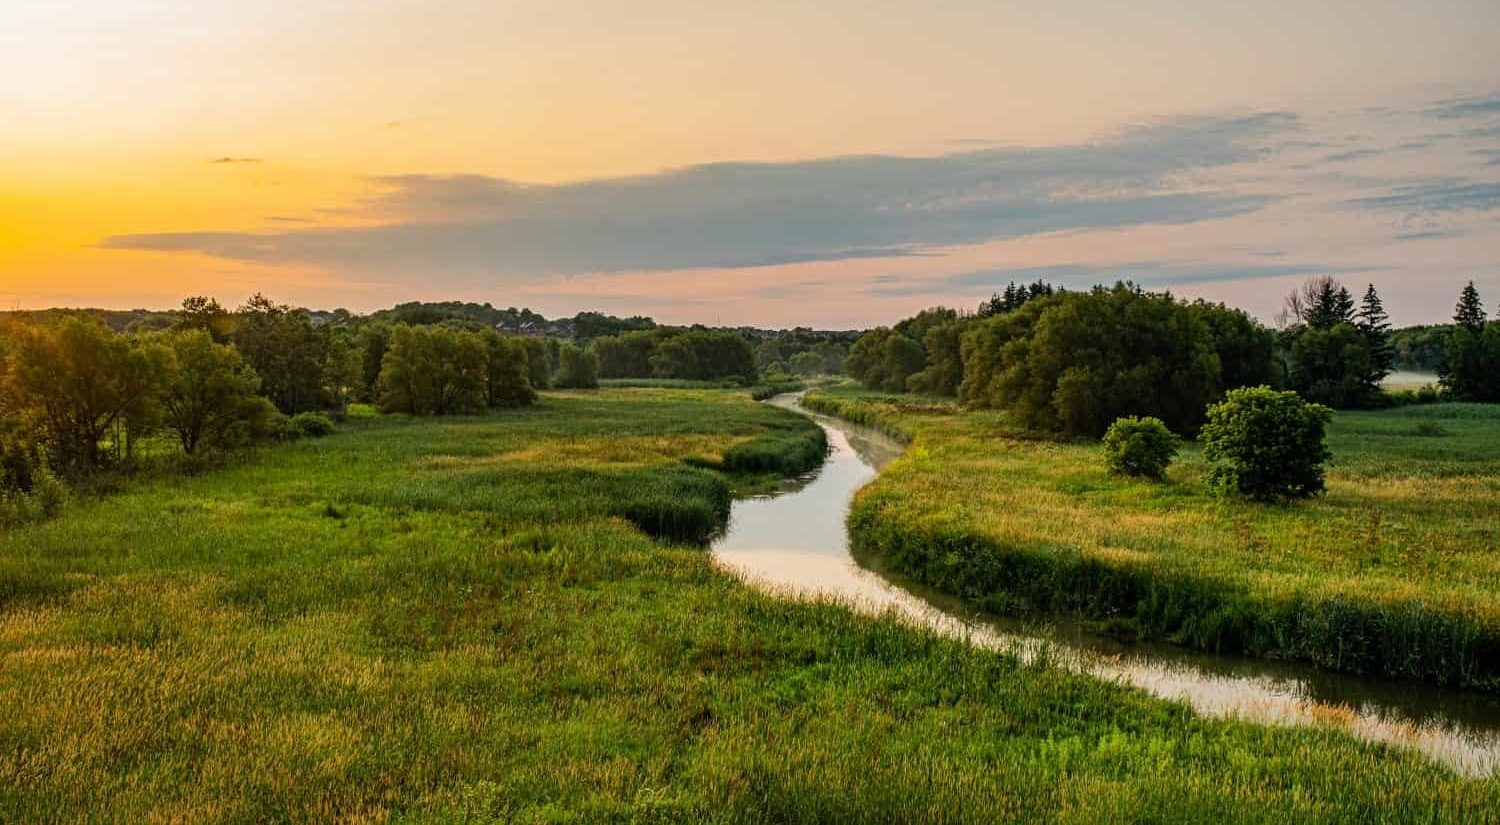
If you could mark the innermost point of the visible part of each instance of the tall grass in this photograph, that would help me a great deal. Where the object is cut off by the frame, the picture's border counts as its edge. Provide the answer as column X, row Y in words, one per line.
column 1394, row 572
column 388, row 625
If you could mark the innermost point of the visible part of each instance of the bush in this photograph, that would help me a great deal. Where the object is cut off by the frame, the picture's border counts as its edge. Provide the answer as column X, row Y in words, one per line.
column 1142, row 447
column 578, row 368
column 310, row 425
column 1266, row 445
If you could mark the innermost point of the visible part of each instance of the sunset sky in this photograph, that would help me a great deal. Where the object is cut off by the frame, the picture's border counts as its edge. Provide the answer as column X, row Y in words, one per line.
column 835, row 164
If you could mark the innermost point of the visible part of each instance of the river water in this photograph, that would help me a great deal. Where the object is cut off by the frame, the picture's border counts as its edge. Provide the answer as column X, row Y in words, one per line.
column 794, row 541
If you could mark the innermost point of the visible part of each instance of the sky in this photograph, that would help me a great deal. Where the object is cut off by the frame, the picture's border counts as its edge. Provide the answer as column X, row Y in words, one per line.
column 836, row 164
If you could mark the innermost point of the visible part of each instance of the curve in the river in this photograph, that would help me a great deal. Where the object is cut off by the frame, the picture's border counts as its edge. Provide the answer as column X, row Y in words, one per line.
column 794, row 540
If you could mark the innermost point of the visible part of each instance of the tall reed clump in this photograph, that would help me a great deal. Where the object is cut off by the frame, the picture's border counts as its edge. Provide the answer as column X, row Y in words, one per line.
column 785, row 448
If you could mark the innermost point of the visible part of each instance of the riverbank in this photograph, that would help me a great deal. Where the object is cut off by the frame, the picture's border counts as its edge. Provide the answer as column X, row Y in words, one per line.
column 1393, row 572
column 449, row 619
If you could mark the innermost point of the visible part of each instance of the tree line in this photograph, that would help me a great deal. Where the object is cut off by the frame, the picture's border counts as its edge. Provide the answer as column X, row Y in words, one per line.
column 1073, row 362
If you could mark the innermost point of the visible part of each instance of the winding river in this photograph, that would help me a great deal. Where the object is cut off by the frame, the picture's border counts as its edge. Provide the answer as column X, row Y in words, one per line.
column 794, row 541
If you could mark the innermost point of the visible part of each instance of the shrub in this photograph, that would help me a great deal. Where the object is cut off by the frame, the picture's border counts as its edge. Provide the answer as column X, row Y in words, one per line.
column 310, row 425
column 1142, row 447
column 1266, row 445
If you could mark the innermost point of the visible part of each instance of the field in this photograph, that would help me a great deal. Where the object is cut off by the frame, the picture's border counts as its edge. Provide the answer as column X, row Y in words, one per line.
column 462, row 620
column 1394, row 571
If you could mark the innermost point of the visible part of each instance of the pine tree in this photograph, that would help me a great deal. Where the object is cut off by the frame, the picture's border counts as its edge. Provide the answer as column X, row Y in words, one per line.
column 1469, row 313
column 1469, row 365
column 1373, row 322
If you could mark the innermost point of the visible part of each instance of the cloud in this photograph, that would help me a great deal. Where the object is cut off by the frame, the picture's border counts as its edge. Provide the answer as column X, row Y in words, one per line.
column 1352, row 154
column 227, row 159
column 1465, row 107
column 1156, row 274
column 735, row 215
column 1446, row 195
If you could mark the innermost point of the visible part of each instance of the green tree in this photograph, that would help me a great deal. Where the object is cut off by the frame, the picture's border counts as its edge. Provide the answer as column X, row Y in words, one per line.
column 432, row 370
column 507, row 376
column 209, row 394
column 702, row 355
column 577, row 368
column 1265, row 444
column 1332, row 366
column 1471, row 369
column 79, row 382
column 943, row 368
column 202, row 312
column 539, row 366
column 286, row 351
column 374, row 338
column 627, row 355
column 1375, row 325
column 1074, row 362
column 1246, row 348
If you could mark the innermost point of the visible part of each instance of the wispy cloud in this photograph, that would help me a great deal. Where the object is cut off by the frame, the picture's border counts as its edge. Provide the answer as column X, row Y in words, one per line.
column 735, row 215
column 227, row 159
column 1447, row 195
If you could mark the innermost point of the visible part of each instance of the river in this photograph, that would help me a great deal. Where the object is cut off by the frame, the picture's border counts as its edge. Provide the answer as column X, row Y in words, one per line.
column 794, row 541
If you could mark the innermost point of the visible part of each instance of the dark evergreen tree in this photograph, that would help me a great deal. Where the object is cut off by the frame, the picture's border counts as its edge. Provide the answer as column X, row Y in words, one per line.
column 1375, row 325
column 1469, row 313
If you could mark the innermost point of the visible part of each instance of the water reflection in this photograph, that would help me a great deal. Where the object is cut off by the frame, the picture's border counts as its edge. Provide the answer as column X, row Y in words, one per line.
column 794, row 540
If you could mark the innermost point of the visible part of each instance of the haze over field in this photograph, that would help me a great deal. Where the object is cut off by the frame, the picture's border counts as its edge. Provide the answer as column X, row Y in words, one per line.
column 774, row 164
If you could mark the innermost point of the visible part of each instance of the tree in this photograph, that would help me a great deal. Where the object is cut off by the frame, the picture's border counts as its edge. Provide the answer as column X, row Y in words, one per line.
column 944, row 363
column 286, row 351
column 1265, row 444
column 1141, row 447
column 374, row 338
column 342, row 375
column 1246, row 348
column 209, row 394
column 1075, row 362
column 79, row 382
column 883, row 359
column 577, row 368
column 538, row 364
column 1471, row 369
column 1332, row 366
column 1014, row 297
column 1375, row 325
column 702, row 355
column 431, row 370
column 507, row 379
column 202, row 312
column 627, row 355
column 1469, row 313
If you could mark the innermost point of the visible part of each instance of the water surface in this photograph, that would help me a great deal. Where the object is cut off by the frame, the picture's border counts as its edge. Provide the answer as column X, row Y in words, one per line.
column 794, row 541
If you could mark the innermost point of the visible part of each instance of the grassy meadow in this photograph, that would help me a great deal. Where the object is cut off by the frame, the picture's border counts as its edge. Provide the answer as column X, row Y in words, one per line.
column 1395, row 571
column 465, row 620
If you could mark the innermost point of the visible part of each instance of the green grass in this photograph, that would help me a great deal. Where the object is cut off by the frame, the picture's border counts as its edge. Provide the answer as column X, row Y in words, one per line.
column 1395, row 571
column 454, row 621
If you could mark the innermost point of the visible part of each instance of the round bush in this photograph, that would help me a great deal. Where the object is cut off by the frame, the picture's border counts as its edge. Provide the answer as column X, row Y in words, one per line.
column 1266, row 445
column 1142, row 447
column 311, row 425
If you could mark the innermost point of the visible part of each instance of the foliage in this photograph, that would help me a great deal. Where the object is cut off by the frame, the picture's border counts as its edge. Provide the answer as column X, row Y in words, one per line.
column 1246, row 348
column 1266, row 445
column 883, row 359
column 1014, row 297
column 702, row 355
column 1142, row 447
column 312, row 425
column 628, row 355
column 286, row 351
column 577, row 368
column 944, row 370
column 1471, row 366
column 1332, row 365
column 77, row 383
column 1075, row 362
column 433, row 370
column 1420, row 348
column 539, row 366
column 209, row 394
column 590, row 325
column 507, row 371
